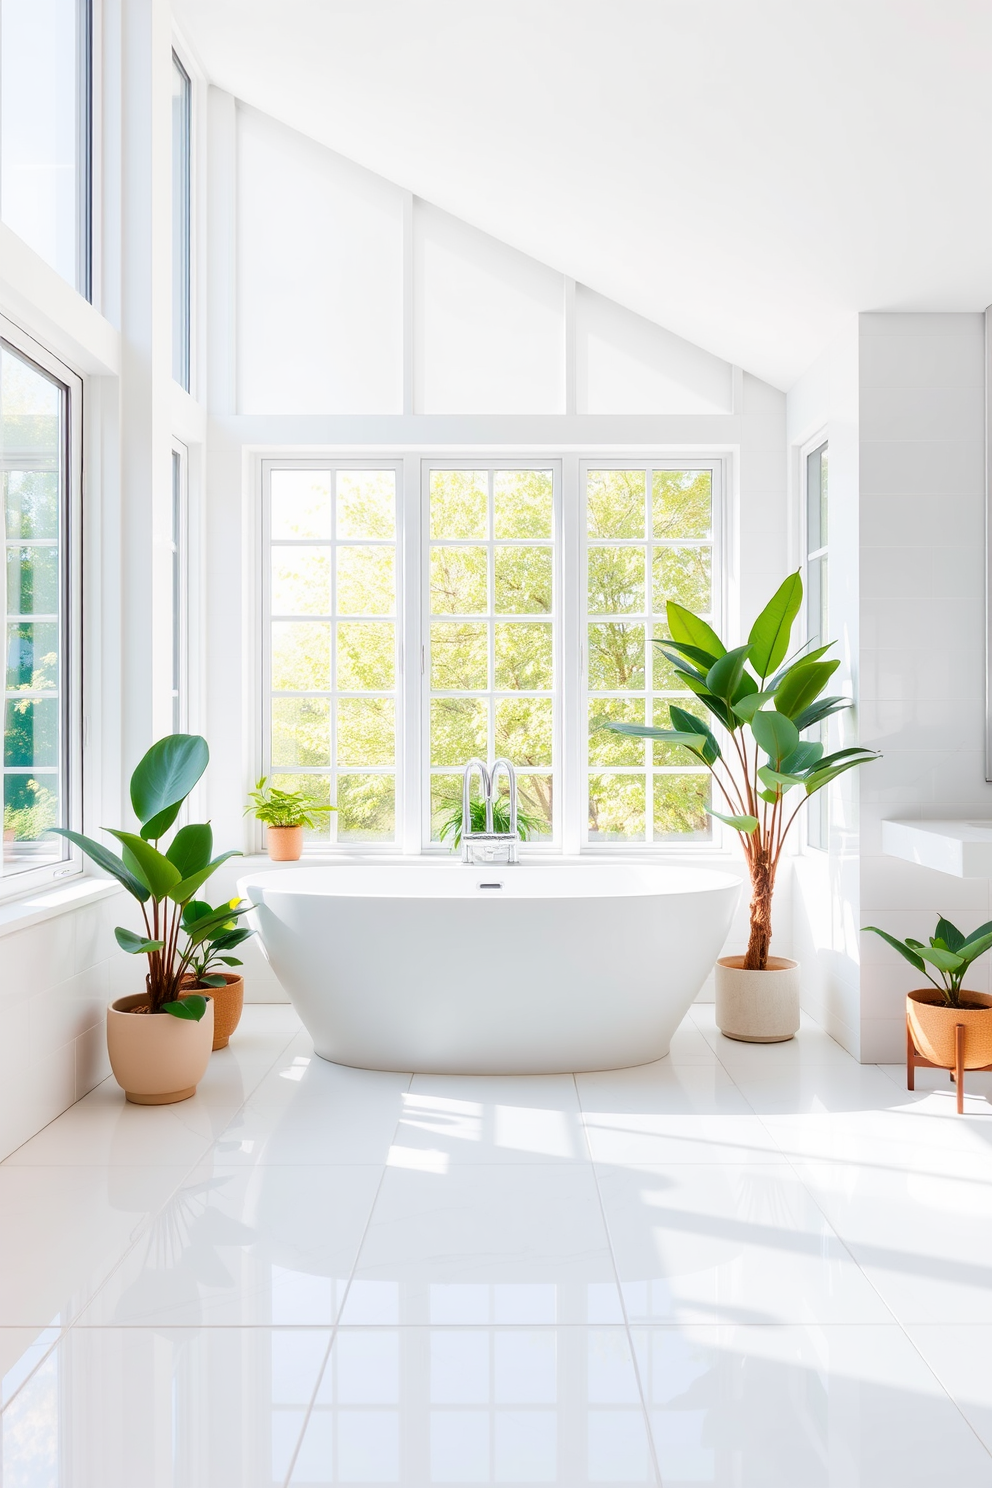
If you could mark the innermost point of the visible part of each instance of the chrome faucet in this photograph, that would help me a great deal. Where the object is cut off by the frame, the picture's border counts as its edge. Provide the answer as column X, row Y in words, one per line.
column 489, row 844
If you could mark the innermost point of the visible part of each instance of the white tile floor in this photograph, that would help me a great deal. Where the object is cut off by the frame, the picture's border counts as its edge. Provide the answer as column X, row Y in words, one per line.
column 743, row 1267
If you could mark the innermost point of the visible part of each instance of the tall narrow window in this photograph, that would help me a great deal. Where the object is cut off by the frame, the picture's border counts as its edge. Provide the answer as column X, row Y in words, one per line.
column 45, row 130
column 332, row 644
column 179, row 590
column 182, row 119
column 817, row 619
column 491, row 633
column 35, row 465
column 649, row 539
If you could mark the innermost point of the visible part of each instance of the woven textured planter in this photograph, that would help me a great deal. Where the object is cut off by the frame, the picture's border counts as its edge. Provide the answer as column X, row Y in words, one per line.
column 284, row 844
column 157, row 1059
column 757, row 1007
column 228, row 1003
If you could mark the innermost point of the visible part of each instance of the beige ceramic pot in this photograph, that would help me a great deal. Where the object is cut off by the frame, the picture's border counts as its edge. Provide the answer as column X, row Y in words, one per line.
column 757, row 1007
column 157, row 1059
column 932, row 1026
column 228, row 1003
column 284, row 844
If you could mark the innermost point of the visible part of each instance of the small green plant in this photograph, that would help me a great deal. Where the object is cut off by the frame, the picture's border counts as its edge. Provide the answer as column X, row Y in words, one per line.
column 164, row 883
column 527, row 822
column 279, row 808
column 950, row 953
column 209, row 952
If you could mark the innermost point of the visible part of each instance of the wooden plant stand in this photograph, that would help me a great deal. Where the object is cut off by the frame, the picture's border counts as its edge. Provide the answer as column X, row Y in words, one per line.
column 915, row 1061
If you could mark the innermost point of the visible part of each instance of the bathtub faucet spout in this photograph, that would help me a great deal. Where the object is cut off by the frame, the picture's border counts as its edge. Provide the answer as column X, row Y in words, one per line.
column 489, row 846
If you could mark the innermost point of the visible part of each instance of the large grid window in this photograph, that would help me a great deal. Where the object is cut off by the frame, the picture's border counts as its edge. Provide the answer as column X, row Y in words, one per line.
column 817, row 622
column 35, row 466
column 490, row 658
column 46, row 130
column 649, row 539
column 332, row 655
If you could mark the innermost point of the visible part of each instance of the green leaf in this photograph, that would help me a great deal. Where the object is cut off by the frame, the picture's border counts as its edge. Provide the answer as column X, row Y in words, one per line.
column 746, row 687
column 720, row 709
column 195, row 910
column 947, row 961
column 829, row 760
column 747, row 706
column 769, row 637
column 724, row 676
column 231, row 961
column 771, row 796
column 978, row 934
column 952, row 937
column 807, row 753
column 136, row 945
column 776, row 735
column 772, row 778
column 685, row 626
column 107, row 860
column 820, row 778
column 232, row 938
column 816, row 712
column 213, row 979
column 907, row 953
column 746, row 824
column 203, row 928
column 164, row 778
column 976, row 948
column 191, row 848
column 187, row 887
column 147, row 863
column 803, row 685
column 687, row 722
column 798, row 659
column 191, row 1007
column 691, row 738
column 703, row 659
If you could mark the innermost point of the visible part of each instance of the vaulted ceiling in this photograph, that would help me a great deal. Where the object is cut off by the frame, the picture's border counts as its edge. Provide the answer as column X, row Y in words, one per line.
column 741, row 171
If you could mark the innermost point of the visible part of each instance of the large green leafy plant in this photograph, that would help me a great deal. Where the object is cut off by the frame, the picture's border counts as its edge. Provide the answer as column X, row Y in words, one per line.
column 165, row 883
column 764, row 700
column 950, row 953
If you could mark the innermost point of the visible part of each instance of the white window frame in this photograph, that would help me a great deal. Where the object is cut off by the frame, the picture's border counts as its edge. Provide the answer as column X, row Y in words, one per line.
column 180, row 600
column 569, row 769
column 71, row 626
column 821, row 801
column 189, row 327
column 332, row 462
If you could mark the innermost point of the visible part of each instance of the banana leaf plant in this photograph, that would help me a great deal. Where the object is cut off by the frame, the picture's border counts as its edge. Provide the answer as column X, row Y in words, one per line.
column 764, row 700
column 165, row 882
column 950, row 953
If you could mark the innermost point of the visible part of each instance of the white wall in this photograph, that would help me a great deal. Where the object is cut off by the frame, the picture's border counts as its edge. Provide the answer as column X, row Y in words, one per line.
column 923, row 625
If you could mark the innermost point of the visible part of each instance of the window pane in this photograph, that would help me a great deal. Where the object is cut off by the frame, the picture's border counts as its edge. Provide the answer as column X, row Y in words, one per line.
column 816, row 499
column 301, row 504
column 606, row 748
column 459, row 581
column 616, row 808
column 317, row 788
column 366, row 808
column 616, row 581
column 524, row 657
column 523, row 502
column 523, row 581
column 366, row 731
column 677, row 754
column 366, row 656
column 301, row 656
column 682, row 503
column 616, row 504
column 459, row 503
column 459, row 730
column 33, row 475
column 446, row 800
column 680, row 803
column 366, row 581
column 459, row 656
column 301, row 581
column 682, row 574
column 525, row 730
column 301, row 731
column 366, row 503
column 43, row 164
column 616, row 658
column 182, row 103
column 535, row 796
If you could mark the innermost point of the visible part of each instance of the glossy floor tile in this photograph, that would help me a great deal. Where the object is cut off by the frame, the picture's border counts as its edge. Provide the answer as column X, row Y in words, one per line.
column 738, row 1267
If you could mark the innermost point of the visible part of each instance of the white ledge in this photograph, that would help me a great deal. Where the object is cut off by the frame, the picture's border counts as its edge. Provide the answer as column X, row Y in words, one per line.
column 54, row 899
column 960, row 848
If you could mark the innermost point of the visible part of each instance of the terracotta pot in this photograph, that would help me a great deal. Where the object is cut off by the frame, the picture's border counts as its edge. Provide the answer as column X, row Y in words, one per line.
column 757, row 1007
column 228, row 1002
column 157, row 1059
column 932, row 1026
column 284, row 844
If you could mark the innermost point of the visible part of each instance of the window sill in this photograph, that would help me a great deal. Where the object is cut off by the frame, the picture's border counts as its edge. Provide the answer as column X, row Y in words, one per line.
column 54, row 899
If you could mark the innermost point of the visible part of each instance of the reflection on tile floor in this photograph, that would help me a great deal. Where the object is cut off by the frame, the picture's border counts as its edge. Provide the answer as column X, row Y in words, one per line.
column 738, row 1267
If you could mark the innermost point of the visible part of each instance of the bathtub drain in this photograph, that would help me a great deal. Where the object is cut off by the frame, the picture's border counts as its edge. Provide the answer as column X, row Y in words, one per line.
column 489, row 886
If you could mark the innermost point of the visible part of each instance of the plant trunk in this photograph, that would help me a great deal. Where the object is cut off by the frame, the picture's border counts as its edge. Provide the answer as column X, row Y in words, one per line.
column 762, row 888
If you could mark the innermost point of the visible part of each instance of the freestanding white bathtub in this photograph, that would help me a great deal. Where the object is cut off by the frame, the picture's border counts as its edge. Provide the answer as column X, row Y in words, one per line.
column 524, row 969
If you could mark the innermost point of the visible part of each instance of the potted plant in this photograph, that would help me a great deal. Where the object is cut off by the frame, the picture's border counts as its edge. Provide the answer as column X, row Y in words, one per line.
column 284, row 814
column 527, row 822
column 207, row 956
column 934, row 1014
column 161, row 1057
column 764, row 700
